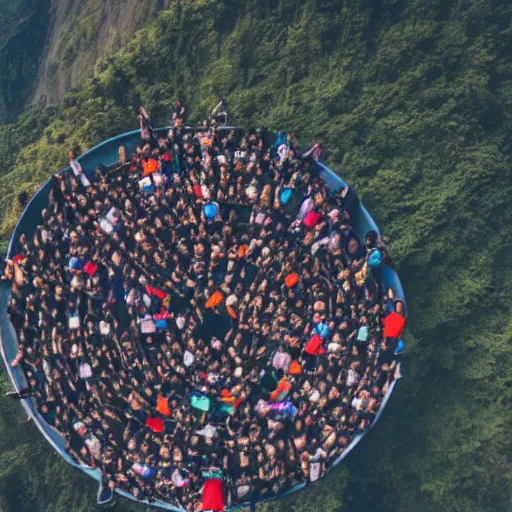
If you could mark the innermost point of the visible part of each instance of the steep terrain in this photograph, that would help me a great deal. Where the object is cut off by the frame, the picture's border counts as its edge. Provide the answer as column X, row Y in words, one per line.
column 81, row 32
column 23, row 28
column 414, row 101
column 48, row 47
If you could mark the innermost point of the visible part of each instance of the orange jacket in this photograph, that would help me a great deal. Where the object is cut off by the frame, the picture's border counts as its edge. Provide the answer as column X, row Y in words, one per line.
column 216, row 298
column 150, row 166
column 162, row 406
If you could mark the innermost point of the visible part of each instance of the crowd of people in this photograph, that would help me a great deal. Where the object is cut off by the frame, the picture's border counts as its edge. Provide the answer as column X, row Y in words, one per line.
column 204, row 309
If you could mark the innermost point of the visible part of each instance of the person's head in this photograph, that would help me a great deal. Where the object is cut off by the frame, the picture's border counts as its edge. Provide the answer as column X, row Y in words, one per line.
column 371, row 239
column 353, row 246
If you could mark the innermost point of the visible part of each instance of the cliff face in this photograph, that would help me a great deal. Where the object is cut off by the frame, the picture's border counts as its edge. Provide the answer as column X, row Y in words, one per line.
column 23, row 29
column 81, row 32
column 48, row 47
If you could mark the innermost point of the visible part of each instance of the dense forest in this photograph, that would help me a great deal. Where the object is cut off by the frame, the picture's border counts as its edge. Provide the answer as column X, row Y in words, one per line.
column 413, row 99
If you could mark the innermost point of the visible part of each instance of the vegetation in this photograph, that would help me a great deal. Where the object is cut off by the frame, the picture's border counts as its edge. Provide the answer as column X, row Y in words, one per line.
column 414, row 101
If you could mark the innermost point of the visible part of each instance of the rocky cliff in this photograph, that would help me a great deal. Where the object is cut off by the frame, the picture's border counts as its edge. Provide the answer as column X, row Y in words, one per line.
column 81, row 32
column 48, row 47
column 23, row 29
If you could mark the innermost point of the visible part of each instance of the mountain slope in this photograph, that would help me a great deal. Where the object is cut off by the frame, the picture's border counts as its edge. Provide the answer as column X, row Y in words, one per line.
column 80, row 33
column 48, row 47
column 414, row 101
column 23, row 28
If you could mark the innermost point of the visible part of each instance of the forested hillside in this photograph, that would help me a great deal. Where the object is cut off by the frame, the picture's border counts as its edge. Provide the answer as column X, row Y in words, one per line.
column 413, row 99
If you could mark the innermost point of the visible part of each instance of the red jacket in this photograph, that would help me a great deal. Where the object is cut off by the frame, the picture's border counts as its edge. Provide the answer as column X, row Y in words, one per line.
column 394, row 324
column 155, row 424
column 314, row 346
column 197, row 191
column 155, row 291
column 213, row 495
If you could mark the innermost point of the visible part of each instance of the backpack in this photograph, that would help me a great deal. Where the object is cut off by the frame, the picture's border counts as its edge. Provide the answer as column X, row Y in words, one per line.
column 147, row 326
column 282, row 138
column 362, row 334
column 311, row 219
column 85, row 371
column 291, row 280
column 74, row 321
column 375, row 258
column 161, row 324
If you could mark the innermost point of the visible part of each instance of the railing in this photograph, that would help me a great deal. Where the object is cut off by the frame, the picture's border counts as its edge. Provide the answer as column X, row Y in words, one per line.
column 106, row 154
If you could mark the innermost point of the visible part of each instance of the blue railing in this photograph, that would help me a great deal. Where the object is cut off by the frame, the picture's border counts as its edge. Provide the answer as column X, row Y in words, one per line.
column 106, row 154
